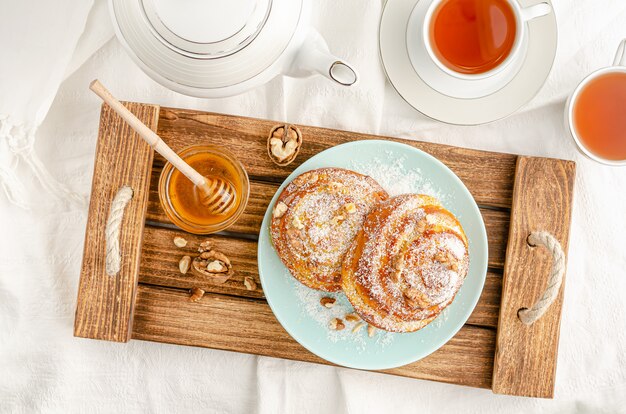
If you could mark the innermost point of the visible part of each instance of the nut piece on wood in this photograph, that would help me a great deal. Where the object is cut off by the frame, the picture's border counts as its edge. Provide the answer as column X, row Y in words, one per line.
column 205, row 246
column 196, row 294
column 216, row 266
column 337, row 324
column 249, row 283
column 283, row 144
column 184, row 264
column 211, row 264
column 327, row 302
column 180, row 242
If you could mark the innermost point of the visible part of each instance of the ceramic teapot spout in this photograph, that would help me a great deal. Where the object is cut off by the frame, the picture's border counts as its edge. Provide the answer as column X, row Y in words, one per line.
column 315, row 58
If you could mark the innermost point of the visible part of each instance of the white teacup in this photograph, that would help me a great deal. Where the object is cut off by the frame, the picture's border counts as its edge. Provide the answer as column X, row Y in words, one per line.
column 522, row 16
column 459, row 85
column 619, row 66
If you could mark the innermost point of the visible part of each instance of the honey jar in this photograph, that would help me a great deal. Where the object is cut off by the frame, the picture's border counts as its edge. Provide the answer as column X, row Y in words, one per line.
column 181, row 199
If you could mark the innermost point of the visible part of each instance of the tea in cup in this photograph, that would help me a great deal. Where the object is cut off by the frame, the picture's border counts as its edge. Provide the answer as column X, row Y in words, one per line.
column 596, row 113
column 474, row 39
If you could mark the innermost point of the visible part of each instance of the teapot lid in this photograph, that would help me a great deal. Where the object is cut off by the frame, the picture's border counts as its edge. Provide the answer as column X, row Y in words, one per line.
column 207, row 28
column 199, row 45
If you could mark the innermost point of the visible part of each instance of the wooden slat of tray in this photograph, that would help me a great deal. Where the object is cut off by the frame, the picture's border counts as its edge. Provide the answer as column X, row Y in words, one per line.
column 488, row 175
column 159, row 266
column 159, row 263
column 234, row 324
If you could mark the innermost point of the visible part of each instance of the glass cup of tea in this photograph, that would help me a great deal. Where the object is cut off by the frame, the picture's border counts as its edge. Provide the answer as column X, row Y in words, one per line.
column 595, row 113
column 476, row 39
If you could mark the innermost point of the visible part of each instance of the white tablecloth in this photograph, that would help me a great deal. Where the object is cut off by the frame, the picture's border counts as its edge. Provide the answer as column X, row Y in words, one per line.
column 44, row 368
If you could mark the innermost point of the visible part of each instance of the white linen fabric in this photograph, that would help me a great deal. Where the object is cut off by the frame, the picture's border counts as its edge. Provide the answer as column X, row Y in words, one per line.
column 45, row 369
column 40, row 42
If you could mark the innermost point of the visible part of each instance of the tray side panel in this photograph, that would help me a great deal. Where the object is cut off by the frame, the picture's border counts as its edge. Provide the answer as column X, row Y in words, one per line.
column 105, row 303
column 525, row 360
column 167, row 315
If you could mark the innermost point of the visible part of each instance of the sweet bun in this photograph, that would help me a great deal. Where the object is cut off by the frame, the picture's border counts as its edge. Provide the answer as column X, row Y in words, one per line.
column 406, row 263
column 315, row 220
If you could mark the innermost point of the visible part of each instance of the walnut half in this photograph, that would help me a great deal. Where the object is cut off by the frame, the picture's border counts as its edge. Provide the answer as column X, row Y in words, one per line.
column 284, row 144
column 213, row 265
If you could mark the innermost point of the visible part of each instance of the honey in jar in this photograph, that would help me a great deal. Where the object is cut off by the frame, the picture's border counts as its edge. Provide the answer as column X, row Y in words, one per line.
column 182, row 200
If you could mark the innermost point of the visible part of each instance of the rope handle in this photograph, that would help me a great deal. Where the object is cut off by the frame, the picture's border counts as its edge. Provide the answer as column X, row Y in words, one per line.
column 543, row 238
column 112, row 231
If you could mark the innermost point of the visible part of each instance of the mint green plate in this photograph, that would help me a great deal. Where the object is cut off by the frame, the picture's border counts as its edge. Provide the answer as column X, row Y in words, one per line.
column 398, row 168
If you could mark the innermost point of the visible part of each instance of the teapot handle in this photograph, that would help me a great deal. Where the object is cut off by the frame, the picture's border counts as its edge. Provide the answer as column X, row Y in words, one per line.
column 314, row 57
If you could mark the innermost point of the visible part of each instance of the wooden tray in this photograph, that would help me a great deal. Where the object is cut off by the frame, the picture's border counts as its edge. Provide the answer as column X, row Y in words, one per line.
column 149, row 299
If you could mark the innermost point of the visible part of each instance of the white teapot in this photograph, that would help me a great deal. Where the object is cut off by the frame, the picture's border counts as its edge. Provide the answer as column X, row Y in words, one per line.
column 216, row 48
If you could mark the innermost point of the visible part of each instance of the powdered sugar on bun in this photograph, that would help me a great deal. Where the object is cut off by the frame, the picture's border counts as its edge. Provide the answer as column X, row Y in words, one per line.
column 315, row 220
column 406, row 264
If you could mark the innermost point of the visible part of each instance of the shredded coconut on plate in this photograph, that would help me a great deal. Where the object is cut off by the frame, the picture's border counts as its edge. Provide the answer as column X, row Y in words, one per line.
column 395, row 177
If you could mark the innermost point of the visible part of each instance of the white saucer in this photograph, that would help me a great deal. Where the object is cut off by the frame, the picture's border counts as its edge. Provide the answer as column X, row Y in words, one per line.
column 437, row 102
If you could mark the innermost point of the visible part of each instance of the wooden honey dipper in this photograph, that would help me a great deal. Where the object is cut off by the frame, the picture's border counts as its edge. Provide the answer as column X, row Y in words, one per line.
column 218, row 194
